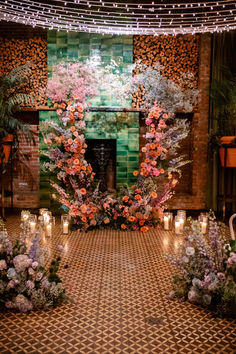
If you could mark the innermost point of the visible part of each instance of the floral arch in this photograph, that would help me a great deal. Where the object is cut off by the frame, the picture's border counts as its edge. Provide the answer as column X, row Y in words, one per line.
column 140, row 206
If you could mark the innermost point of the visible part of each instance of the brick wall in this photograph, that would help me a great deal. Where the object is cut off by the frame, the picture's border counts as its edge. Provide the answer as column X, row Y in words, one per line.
column 25, row 174
column 197, row 199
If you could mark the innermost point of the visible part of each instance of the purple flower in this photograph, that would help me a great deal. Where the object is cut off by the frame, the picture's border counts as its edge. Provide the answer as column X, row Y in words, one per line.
column 60, row 248
column 11, row 284
column 21, row 262
column 221, row 276
column 45, row 283
column 31, row 271
column 34, row 265
column 30, row 284
column 39, row 276
column 9, row 305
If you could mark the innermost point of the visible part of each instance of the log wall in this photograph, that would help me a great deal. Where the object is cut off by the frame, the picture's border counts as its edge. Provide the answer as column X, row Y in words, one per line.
column 18, row 51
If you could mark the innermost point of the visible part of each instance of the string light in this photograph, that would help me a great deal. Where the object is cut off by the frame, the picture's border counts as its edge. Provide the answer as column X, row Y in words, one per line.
column 123, row 17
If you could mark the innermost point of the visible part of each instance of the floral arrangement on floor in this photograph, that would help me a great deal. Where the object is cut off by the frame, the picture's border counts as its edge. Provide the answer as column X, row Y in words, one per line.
column 135, row 208
column 25, row 283
column 207, row 270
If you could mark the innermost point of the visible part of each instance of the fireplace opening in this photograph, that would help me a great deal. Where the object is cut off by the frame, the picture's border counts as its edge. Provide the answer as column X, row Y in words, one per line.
column 101, row 154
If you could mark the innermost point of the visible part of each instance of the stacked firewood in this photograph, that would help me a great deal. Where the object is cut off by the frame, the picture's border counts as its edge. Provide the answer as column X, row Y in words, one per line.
column 176, row 53
column 15, row 52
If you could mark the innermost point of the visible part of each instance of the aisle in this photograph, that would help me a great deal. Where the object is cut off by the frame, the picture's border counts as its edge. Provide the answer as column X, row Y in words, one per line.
column 117, row 283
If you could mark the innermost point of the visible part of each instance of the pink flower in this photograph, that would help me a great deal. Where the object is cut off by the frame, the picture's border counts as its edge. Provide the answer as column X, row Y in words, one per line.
column 156, row 172
column 3, row 264
column 148, row 121
column 149, row 167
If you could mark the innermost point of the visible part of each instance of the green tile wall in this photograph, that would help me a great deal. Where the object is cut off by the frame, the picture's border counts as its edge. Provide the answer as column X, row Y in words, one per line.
column 70, row 46
column 63, row 46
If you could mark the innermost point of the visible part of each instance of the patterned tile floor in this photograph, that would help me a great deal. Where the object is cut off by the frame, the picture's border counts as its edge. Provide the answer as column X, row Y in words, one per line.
column 117, row 283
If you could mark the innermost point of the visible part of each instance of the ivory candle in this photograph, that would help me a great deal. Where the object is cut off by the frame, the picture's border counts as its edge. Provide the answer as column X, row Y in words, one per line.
column 32, row 226
column 177, row 227
column 65, row 227
column 166, row 223
column 181, row 224
column 203, row 227
column 49, row 229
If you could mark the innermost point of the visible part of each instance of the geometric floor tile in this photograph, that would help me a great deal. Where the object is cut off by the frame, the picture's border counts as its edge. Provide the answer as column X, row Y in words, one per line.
column 117, row 284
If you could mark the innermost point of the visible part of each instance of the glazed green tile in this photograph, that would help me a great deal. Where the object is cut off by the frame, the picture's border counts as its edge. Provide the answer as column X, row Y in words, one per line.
column 121, row 174
column 133, row 158
column 122, row 153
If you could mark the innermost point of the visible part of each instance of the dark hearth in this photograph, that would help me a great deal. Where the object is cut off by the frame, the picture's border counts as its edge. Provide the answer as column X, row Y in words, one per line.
column 101, row 154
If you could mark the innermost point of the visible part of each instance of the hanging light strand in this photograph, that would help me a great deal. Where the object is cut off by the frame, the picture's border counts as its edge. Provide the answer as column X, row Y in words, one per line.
column 104, row 17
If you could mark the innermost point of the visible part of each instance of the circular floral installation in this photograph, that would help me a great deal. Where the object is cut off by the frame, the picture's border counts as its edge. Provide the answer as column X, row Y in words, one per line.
column 132, row 208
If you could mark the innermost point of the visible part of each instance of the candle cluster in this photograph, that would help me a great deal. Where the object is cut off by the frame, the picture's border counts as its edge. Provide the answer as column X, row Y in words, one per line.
column 100, row 16
column 180, row 221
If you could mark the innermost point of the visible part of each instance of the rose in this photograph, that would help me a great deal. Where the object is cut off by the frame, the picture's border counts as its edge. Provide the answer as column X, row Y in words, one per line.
column 148, row 121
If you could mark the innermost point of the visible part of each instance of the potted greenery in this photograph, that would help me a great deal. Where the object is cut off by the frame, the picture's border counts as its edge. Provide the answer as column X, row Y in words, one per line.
column 11, row 101
column 223, row 95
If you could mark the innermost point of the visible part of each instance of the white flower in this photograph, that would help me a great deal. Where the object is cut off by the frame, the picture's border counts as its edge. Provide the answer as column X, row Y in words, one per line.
column 185, row 259
column 190, row 251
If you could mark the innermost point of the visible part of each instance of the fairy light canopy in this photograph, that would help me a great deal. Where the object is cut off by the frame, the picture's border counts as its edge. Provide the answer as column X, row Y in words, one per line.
column 123, row 17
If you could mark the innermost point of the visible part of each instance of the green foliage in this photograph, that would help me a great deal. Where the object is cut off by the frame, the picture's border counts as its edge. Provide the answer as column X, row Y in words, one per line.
column 11, row 101
column 223, row 96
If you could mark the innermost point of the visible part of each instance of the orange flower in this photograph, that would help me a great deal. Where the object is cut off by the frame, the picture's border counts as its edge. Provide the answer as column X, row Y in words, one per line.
column 138, row 197
column 133, row 186
column 72, row 128
column 80, row 116
column 85, row 146
column 83, row 168
column 70, row 141
column 153, row 163
column 131, row 218
column 165, row 115
column 115, row 217
column 83, row 191
column 76, row 162
column 63, row 105
column 141, row 222
column 82, row 151
column 83, row 208
column 144, row 149
column 94, row 209
column 93, row 222
column 152, row 146
column 144, row 229
column 123, row 226
column 135, row 173
column 84, row 219
column 162, row 171
column 154, row 195
column 125, row 198
column 138, row 191
column 130, row 202
column 75, row 133
column 106, row 221
column 59, row 165
column 79, row 108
